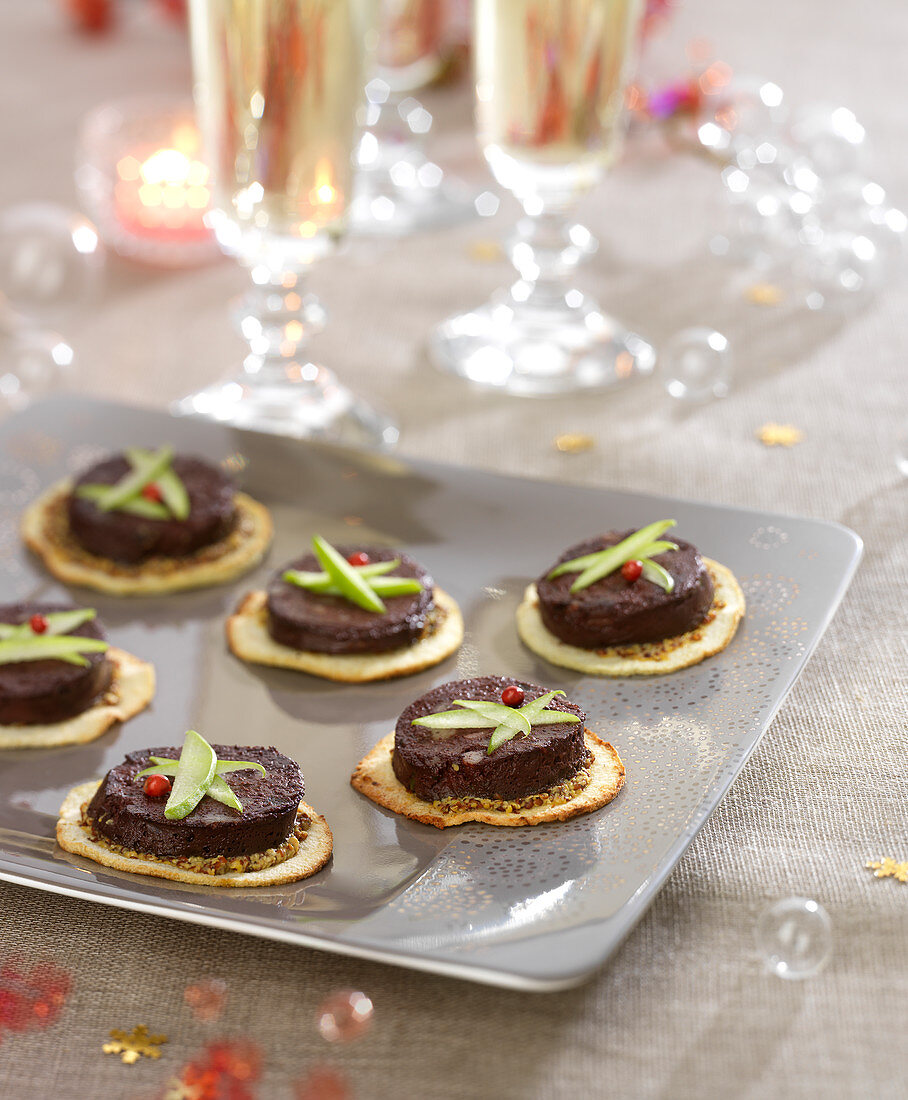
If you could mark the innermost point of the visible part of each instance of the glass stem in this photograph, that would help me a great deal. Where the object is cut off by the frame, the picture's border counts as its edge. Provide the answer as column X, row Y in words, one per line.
column 546, row 249
column 277, row 317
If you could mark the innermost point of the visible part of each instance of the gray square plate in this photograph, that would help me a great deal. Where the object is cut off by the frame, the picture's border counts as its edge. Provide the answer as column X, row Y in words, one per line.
column 536, row 908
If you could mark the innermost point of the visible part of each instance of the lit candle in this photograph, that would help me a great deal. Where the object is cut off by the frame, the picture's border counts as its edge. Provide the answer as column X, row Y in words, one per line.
column 163, row 192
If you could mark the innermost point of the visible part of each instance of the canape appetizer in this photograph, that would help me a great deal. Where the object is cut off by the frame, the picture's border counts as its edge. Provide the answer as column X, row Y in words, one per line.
column 631, row 603
column 147, row 522
column 351, row 613
column 490, row 749
column 60, row 681
column 213, row 815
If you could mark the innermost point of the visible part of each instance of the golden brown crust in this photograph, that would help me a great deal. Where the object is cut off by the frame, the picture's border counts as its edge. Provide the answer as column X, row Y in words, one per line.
column 374, row 777
column 248, row 638
column 314, row 853
column 130, row 691
column 45, row 531
column 645, row 659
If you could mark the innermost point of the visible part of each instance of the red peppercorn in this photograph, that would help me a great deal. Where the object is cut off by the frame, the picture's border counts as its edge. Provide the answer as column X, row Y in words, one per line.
column 156, row 786
column 360, row 557
column 38, row 624
column 512, row 696
column 631, row 571
column 152, row 492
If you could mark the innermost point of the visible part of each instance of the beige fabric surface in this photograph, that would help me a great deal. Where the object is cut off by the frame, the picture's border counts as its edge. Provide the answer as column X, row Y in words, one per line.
column 685, row 1009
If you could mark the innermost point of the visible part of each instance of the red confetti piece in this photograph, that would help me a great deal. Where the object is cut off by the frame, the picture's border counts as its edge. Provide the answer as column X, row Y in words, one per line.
column 31, row 998
column 206, row 999
column 224, row 1070
column 323, row 1083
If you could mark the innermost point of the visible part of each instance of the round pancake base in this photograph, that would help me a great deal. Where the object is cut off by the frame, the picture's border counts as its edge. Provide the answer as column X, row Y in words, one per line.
column 45, row 531
column 130, row 691
column 374, row 777
column 248, row 638
column 314, row 853
column 644, row 658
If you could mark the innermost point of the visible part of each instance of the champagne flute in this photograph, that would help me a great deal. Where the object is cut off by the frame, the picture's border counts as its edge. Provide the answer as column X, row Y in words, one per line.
column 550, row 80
column 398, row 189
column 277, row 87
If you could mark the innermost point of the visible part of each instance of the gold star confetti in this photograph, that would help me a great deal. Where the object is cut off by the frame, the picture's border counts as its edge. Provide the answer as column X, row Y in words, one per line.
column 763, row 294
column 779, row 435
column 573, row 443
column 888, row 868
column 133, row 1045
column 487, row 252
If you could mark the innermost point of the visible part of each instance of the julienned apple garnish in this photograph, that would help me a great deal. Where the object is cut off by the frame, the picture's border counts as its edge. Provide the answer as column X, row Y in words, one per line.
column 504, row 721
column 52, row 624
column 46, row 638
column 639, row 548
column 360, row 581
column 151, row 490
column 198, row 772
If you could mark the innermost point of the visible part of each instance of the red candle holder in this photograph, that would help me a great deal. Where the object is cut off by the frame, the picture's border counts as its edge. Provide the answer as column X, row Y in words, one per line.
column 142, row 179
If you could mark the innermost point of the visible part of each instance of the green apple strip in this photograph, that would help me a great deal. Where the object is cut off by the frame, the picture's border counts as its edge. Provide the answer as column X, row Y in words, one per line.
column 172, row 488
column 225, row 766
column 500, row 735
column 138, row 506
column 537, row 715
column 455, row 719
column 219, row 790
column 654, row 573
column 40, row 647
column 352, row 586
column 195, row 771
column 162, row 765
column 622, row 551
column 615, row 556
column 502, row 715
column 58, row 622
column 321, row 582
column 133, row 483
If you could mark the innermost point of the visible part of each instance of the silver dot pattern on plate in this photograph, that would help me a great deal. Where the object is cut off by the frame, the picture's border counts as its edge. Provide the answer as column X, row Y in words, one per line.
column 768, row 538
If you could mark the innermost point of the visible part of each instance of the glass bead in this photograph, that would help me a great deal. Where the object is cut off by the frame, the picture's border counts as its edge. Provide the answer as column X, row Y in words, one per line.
column 51, row 261
column 344, row 1015
column 206, row 999
column 739, row 114
column 831, row 138
column 794, row 937
column 32, row 365
column 695, row 365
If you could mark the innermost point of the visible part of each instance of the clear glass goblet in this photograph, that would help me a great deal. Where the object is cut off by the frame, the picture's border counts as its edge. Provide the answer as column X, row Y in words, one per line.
column 550, row 81
column 398, row 188
column 277, row 87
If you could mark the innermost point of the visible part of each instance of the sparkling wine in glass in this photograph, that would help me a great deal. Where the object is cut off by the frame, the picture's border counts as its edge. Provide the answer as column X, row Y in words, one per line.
column 277, row 87
column 550, row 81
column 399, row 189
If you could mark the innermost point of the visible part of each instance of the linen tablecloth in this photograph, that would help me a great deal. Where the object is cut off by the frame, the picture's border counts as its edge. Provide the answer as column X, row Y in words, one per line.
column 686, row 1008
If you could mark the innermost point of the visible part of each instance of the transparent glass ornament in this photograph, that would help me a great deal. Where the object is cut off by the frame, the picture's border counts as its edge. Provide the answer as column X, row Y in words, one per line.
column 344, row 1015
column 51, row 262
column 794, row 937
column 831, row 138
column 33, row 364
column 695, row 365
column 739, row 114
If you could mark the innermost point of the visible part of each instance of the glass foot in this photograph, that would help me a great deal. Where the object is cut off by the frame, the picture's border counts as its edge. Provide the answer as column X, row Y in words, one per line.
column 383, row 208
column 317, row 408
column 537, row 354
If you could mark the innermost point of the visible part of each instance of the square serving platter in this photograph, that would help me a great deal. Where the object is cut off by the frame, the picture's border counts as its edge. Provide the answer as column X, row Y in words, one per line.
column 534, row 908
